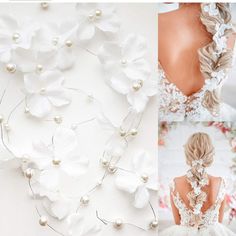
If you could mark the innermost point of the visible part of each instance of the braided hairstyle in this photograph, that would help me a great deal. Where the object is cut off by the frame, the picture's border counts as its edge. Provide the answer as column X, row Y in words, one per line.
column 199, row 153
column 210, row 61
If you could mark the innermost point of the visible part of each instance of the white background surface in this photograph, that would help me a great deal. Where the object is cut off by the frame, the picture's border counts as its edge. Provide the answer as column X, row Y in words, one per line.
column 18, row 216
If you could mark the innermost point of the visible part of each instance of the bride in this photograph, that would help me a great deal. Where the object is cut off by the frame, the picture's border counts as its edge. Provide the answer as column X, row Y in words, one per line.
column 196, row 51
column 197, row 198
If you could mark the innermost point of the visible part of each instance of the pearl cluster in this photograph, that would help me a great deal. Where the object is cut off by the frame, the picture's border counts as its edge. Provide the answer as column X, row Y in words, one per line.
column 96, row 15
column 132, row 132
column 137, row 85
column 111, row 168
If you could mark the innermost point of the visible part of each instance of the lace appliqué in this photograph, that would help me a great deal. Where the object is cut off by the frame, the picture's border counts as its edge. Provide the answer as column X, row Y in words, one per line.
column 174, row 105
column 209, row 217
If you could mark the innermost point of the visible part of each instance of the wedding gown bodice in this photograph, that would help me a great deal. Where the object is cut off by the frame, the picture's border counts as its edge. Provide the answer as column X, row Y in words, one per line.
column 209, row 217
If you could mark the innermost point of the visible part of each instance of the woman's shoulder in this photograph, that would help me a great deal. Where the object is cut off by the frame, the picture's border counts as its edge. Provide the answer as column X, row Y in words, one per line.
column 179, row 179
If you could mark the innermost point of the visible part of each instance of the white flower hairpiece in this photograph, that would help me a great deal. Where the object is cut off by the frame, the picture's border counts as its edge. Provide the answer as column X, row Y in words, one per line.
column 219, row 37
column 211, row 8
column 197, row 162
column 44, row 90
column 96, row 16
column 216, row 79
column 140, row 180
column 14, row 34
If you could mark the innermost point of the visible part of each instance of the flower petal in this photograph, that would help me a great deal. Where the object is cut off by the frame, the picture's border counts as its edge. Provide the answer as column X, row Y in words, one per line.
column 60, row 208
column 127, row 182
column 143, row 163
column 64, row 141
column 65, row 58
column 109, row 23
column 141, row 197
column 58, row 97
column 32, row 83
column 152, row 183
column 50, row 178
column 75, row 165
column 121, row 83
column 24, row 59
column 52, row 79
column 79, row 225
column 109, row 52
column 134, row 47
column 138, row 69
column 150, row 87
column 138, row 100
column 86, row 31
column 116, row 146
column 42, row 156
column 7, row 21
column 39, row 105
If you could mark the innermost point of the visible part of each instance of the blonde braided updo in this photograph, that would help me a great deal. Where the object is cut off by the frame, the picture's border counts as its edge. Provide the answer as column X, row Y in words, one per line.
column 210, row 60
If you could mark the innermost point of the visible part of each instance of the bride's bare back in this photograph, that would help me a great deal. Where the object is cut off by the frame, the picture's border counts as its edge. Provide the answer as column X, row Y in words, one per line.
column 183, row 188
column 180, row 35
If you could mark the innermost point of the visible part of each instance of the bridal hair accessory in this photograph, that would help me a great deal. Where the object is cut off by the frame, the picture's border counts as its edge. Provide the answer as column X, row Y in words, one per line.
column 199, row 153
column 211, row 9
column 215, row 58
column 40, row 62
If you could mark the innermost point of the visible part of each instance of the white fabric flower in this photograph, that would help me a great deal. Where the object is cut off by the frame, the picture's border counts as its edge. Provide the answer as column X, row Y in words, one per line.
column 127, row 58
column 61, row 158
column 7, row 159
column 140, row 180
column 197, row 209
column 44, row 90
column 93, row 16
column 78, row 225
column 34, row 61
column 216, row 78
column 219, row 37
column 211, row 8
column 60, row 208
column 60, row 37
column 116, row 144
column 14, row 35
column 136, row 91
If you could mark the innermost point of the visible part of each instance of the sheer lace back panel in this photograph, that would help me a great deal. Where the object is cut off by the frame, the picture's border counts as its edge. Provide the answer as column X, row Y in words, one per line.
column 209, row 217
column 176, row 106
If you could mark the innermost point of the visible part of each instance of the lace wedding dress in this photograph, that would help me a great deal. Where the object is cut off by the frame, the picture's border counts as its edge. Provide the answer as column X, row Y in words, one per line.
column 176, row 106
column 209, row 224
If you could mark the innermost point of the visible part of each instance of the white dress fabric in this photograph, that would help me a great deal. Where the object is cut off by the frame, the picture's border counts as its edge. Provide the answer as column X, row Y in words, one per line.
column 176, row 106
column 209, row 225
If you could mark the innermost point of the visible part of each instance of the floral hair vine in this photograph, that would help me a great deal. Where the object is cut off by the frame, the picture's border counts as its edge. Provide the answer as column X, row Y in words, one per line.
column 45, row 88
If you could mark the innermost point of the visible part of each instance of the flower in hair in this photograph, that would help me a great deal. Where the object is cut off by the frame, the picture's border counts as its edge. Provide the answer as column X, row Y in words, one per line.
column 197, row 190
column 197, row 209
column 219, row 37
column 197, row 162
column 212, row 9
column 216, row 78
